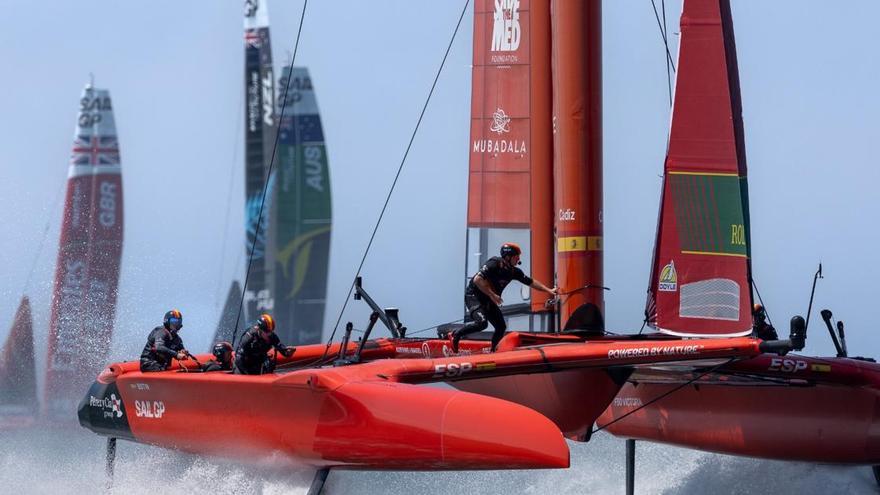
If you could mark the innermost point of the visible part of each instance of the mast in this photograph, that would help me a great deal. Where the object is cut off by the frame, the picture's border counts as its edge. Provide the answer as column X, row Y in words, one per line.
column 86, row 275
column 577, row 162
column 259, row 140
column 302, row 217
column 700, row 281
column 510, row 180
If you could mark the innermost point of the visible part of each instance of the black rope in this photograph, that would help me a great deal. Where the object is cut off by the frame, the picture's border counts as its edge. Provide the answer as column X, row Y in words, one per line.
column 665, row 394
column 268, row 176
column 218, row 293
column 396, row 177
column 761, row 300
column 669, row 62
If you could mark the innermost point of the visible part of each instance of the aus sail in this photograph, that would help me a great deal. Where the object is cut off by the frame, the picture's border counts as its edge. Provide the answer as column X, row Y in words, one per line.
column 700, row 283
column 302, row 216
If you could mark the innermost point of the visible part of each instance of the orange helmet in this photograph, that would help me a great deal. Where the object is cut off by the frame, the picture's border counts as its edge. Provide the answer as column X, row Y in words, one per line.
column 266, row 322
column 510, row 249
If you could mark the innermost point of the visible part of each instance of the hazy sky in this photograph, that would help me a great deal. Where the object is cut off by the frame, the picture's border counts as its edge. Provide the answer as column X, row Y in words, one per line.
column 809, row 73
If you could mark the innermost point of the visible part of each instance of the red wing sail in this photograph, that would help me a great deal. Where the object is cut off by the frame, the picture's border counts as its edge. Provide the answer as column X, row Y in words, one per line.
column 700, row 282
column 18, row 381
column 510, row 184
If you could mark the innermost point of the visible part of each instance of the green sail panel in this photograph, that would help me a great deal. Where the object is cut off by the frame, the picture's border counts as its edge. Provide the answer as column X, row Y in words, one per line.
column 709, row 213
column 302, row 215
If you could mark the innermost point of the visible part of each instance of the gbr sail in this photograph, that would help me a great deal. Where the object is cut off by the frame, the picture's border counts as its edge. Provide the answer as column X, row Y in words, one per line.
column 510, row 183
column 700, row 280
column 301, row 220
column 87, row 270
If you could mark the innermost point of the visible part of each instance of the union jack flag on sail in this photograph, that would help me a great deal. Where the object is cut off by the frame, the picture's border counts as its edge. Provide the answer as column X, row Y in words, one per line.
column 95, row 150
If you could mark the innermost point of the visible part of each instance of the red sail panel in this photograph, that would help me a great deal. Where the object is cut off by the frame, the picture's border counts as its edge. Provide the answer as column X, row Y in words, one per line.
column 700, row 283
column 18, row 381
column 577, row 113
column 510, row 179
column 79, row 334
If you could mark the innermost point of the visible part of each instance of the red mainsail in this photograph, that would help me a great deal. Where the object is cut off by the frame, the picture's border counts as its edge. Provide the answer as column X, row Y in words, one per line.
column 18, row 381
column 700, row 282
column 87, row 273
column 510, row 183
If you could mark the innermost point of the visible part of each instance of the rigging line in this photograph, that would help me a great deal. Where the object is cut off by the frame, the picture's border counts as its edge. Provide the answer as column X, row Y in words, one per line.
column 665, row 394
column 666, row 38
column 54, row 207
column 268, row 176
column 663, row 35
column 396, row 176
column 229, row 199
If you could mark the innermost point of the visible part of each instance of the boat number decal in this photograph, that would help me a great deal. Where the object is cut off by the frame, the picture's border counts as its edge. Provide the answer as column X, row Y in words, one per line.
column 787, row 365
column 451, row 369
column 566, row 215
column 627, row 402
column 140, row 386
column 149, row 408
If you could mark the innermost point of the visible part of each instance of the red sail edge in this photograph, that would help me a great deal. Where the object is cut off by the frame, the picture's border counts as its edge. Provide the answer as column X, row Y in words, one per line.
column 510, row 184
column 700, row 282
column 18, row 380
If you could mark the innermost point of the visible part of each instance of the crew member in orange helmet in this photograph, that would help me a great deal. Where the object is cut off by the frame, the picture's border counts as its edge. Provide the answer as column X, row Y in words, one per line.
column 251, row 357
column 482, row 298
column 760, row 327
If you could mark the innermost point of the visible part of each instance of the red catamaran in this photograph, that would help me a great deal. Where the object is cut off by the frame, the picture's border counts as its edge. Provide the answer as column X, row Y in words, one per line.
column 362, row 405
column 817, row 409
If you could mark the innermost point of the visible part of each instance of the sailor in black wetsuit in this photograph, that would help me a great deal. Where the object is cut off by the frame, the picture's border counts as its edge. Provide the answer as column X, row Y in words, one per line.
column 760, row 327
column 222, row 361
column 164, row 344
column 251, row 357
column 482, row 298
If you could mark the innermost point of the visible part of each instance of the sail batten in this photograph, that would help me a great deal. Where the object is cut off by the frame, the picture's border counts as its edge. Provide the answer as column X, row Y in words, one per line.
column 700, row 284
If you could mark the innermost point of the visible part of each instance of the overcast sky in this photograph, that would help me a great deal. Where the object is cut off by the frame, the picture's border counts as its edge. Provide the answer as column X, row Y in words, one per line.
column 809, row 73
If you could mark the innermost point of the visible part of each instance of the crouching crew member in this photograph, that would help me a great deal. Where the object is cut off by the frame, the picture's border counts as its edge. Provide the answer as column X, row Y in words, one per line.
column 482, row 298
column 251, row 356
column 760, row 327
column 164, row 344
column 222, row 361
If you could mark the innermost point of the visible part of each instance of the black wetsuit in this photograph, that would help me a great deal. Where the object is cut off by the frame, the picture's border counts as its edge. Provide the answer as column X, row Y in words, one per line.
column 481, row 309
column 162, row 346
column 251, row 357
column 214, row 365
column 764, row 330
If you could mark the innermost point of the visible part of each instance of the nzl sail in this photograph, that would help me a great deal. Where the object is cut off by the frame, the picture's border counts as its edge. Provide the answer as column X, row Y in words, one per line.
column 301, row 221
column 87, row 273
column 510, row 183
column 700, row 281
column 259, row 138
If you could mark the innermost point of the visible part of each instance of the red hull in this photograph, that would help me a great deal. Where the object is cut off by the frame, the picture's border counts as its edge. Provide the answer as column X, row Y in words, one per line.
column 814, row 409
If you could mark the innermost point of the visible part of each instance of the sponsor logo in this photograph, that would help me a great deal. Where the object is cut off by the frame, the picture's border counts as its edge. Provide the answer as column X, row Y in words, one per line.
column 452, row 369
column 111, row 407
column 499, row 146
column 426, row 350
column 140, row 386
column 251, row 7
column 668, row 278
column 787, row 365
column 500, row 122
column 665, row 350
column 627, row 402
column 566, row 215
column 263, row 299
column 90, row 108
column 107, row 204
column 253, row 101
column 408, row 350
column 506, row 30
column 153, row 409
